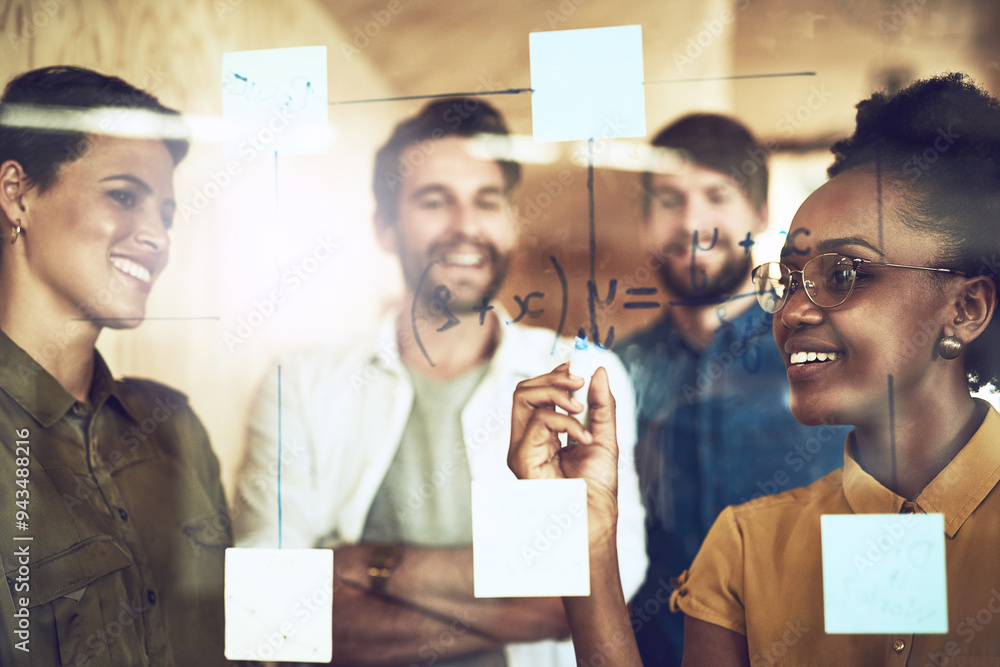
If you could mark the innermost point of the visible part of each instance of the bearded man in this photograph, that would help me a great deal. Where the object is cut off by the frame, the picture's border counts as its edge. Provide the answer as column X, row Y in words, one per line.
column 714, row 426
column 385, row 434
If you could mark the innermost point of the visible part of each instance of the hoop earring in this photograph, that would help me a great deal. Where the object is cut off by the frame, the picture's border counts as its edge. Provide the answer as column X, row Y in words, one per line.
column 16, row 233
column 950, row 347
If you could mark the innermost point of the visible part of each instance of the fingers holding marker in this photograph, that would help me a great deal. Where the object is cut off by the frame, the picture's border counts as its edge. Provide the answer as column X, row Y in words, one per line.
column 535, row 423
column 552, row 390
column 536, row 454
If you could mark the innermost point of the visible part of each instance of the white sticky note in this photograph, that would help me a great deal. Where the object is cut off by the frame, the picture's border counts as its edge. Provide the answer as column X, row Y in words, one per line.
column 279, row 604
column 884, row 573
column 275, row 100
column 529, row 538
column 587, row 84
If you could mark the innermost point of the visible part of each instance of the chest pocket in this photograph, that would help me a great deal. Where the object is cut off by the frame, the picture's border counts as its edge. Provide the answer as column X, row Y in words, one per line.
column 65, row 603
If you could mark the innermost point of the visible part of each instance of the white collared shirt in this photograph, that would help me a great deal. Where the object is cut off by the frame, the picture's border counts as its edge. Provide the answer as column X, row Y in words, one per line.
column 343, row 411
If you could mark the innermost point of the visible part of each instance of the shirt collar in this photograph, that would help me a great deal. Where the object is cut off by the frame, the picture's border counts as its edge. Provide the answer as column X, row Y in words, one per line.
column 34, row 389
column 960, row 488
column 956, row 491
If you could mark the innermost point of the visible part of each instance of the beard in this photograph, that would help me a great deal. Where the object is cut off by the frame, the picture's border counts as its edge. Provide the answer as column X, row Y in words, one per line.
column 707, row 287
column 457, row 296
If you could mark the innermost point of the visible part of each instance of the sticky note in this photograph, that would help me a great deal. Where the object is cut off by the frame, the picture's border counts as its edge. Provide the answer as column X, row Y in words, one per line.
column 529, row 538
column 587, row 84
column 884, row 573
column 279, row 604
column 275, row 100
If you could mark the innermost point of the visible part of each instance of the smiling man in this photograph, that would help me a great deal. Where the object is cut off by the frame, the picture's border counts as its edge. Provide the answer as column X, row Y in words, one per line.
column 714, row 428
column 386, row 434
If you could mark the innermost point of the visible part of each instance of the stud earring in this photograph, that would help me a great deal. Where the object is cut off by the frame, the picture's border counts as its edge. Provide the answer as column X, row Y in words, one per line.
column 16, row 233
column 950, row 347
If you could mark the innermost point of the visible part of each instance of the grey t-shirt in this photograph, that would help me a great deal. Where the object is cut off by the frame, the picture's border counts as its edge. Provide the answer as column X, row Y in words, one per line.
column 425, row 498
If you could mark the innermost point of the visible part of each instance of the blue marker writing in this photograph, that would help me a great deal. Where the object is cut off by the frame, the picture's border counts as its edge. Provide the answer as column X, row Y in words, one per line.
column 583, row 362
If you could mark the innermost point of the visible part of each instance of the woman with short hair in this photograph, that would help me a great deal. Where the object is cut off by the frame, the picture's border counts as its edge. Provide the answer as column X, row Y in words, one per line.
column 114, row 523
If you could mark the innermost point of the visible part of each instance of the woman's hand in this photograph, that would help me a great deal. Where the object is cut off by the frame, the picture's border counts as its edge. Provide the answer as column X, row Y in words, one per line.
column 535, row 451
column 600, row 621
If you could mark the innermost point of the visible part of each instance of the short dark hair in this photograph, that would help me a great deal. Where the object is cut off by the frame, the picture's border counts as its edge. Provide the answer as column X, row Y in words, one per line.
column 939, row 139
column 41, row 151
column 719, row 143
column 451, row 117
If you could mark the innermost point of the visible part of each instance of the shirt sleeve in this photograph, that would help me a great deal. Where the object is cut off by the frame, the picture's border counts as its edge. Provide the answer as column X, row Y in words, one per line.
column 632, row 556
column 712, row 590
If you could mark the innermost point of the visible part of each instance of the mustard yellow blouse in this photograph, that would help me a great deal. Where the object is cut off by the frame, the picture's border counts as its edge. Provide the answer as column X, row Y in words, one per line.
column 759, row 571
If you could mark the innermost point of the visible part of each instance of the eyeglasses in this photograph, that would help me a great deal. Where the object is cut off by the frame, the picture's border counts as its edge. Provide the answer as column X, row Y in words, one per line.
column 828, row 279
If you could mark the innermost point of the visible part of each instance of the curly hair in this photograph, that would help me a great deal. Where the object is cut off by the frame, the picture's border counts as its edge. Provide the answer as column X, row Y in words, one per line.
column 939, row 140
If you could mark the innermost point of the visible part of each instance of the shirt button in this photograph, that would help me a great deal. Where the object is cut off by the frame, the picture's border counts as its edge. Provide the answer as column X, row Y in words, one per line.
column 898, row 645
column 79, row 409
column 151, row 596
column 123, row 514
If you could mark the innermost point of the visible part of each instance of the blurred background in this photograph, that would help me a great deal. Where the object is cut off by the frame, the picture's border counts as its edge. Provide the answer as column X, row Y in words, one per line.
column 213, row 328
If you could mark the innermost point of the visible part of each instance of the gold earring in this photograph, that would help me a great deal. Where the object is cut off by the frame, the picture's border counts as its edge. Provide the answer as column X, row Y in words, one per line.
column 950, row 347
column 15, row 233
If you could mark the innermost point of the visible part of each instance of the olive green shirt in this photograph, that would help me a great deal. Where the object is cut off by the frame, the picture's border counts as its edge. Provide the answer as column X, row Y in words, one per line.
column 113, row 523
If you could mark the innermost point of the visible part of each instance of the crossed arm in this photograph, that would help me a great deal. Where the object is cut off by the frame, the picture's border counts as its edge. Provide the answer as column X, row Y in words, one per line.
column 428, row 611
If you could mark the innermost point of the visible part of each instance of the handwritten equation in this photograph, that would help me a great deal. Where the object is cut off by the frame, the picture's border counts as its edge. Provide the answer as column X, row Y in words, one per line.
column 598, row 298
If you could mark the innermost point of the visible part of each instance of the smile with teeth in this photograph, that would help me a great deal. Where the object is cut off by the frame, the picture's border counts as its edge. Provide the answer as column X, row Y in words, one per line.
column 464, row 259
column 137, row 271
column 799, row 358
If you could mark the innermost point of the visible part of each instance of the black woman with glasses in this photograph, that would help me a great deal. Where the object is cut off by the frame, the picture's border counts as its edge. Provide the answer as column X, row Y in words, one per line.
column 884, row 306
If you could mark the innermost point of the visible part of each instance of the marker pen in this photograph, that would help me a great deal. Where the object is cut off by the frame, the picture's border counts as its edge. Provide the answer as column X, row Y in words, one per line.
column 584, row 362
